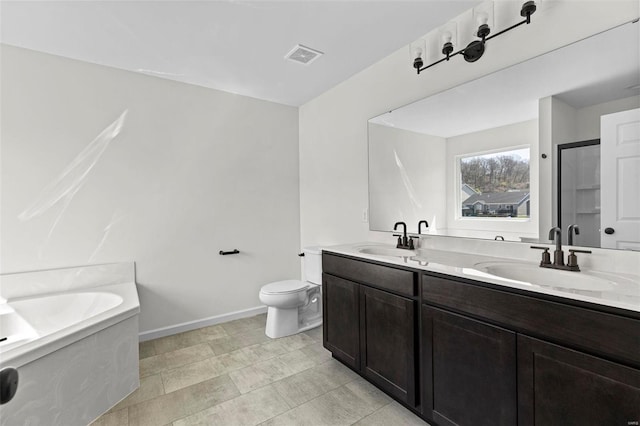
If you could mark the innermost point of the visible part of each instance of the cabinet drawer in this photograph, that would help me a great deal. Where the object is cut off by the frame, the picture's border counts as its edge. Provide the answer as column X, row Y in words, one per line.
column 385, row 277
column 590, row 330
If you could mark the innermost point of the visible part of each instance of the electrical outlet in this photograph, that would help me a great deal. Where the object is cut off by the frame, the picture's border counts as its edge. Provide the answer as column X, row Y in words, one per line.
column 365, row 216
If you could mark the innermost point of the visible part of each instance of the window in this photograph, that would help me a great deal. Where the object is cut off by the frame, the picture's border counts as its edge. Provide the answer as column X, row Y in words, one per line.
column 495, row 185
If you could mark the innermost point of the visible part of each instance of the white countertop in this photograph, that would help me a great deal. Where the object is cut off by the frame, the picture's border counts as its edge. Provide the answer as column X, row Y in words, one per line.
column 620, row 290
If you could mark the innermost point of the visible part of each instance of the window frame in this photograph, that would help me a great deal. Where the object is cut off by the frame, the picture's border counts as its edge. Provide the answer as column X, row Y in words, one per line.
column 458, row 180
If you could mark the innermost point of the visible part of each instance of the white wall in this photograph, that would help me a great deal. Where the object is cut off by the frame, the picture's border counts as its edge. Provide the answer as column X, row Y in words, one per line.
column 193, row 171
column 333, row 127
column 408, row 188
column 588, row 118
column 514, row 135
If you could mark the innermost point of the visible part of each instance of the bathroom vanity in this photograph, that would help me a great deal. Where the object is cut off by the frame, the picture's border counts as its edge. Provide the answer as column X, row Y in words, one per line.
column 464, row 349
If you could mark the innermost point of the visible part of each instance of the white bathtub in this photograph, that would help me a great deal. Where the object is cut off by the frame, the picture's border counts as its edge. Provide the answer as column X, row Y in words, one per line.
column 37, row 325
column 80, row 335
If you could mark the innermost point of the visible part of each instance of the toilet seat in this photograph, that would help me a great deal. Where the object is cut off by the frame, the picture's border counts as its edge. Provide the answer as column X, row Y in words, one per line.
column 285, row 287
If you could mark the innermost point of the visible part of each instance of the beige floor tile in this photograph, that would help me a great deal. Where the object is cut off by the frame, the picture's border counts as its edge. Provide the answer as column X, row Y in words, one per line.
column 178, row 341
column 392, row 414
column 342, row 406
column 187, row 355
column 191, row 374
column 255, row 376
column 213, row 332
column 233, row 374
column 231, row 343
column 115, row 418
column 146, row 349
column 150, row 387
column 317, row 412
column 297, row 341
column 370, row 397
column 158, row 411
column 264, row 351
column 317, row 353
column 262, row 373
column 151, row 365
column 311, row 383
column 245, row 324
column 206, row 394
column 174, row 359
column 315, row 333
column 260, row 352
column 250, row 409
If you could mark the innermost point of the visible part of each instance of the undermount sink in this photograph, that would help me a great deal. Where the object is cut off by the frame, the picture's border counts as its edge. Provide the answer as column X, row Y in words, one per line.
column 534, row 274
column 387, row 251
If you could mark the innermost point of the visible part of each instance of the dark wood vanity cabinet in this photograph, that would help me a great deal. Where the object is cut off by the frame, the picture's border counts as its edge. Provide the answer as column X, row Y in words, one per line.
column 371, row 325
column 341, row 329
column 388, row 342
column 572, row 373
column 462, row 352
column 469, row 370
column 560, row 386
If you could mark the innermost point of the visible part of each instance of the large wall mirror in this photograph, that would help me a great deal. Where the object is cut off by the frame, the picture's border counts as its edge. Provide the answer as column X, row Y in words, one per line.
column 482, row 160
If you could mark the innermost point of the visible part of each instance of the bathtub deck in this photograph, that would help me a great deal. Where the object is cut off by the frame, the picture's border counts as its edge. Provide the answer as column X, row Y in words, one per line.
column 232, row 374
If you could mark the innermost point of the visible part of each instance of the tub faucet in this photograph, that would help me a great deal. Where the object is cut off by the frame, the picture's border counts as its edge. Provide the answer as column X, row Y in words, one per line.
column 555, row 234
column 573, row 230
column 403, row 241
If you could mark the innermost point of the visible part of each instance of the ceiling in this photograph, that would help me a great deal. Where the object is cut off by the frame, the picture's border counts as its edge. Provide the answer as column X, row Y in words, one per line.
column 235, row 46
column 601, row 68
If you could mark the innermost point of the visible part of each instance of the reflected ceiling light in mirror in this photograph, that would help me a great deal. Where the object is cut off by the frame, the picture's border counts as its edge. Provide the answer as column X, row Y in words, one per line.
column 483, row 17
column 418, row 51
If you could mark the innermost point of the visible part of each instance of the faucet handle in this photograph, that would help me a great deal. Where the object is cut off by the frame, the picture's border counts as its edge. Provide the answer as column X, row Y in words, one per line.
column 546, row 257
column 411, row 244
column 572, row 259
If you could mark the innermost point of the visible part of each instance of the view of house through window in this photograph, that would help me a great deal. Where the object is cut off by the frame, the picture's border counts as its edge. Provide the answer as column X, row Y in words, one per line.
column 495, row 185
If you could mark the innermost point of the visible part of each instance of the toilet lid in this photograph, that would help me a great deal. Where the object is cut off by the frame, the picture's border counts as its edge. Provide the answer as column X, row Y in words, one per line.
column 284, row 287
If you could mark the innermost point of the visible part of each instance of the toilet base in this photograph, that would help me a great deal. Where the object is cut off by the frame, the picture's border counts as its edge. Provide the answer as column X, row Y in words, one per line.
column 284, row 322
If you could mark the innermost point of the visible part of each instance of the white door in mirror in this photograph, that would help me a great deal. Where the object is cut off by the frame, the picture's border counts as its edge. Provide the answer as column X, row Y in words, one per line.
column 620, row 180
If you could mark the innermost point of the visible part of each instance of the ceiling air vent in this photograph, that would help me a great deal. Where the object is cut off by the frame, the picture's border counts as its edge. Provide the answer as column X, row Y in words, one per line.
column 303, row 55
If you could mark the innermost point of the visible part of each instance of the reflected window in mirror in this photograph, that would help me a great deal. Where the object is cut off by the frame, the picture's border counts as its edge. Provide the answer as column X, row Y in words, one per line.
column 494, row 185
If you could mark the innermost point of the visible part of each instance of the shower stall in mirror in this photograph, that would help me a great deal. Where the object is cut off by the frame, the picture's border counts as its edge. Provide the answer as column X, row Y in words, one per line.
column 579, row 190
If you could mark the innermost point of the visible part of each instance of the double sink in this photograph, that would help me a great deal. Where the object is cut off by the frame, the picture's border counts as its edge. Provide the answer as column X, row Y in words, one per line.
column 512, row 271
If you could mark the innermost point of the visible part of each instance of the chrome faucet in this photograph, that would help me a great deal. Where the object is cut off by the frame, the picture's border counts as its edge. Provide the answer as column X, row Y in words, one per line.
column 571, row 231
column 403, row 241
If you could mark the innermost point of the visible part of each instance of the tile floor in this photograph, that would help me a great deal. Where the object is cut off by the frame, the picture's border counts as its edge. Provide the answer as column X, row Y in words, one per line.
column 232, row 374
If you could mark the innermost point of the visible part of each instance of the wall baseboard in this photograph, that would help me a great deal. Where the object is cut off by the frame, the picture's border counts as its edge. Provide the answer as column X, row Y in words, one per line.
column 205, row 322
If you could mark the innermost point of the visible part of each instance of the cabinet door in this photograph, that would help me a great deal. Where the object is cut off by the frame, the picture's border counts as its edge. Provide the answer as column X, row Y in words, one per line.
column 469, row 373
column 341, row 332
column 387, row 331
column 560, row 386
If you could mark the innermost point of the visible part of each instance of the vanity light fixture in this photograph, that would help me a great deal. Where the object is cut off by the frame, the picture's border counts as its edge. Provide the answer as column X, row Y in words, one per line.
column 475, row 49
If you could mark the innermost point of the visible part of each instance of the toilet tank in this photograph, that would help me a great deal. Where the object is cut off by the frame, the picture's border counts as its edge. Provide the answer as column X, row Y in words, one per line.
column 313, row 264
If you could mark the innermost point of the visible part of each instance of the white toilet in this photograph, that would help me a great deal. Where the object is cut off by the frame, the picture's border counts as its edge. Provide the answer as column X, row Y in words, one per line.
column 295, row 306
